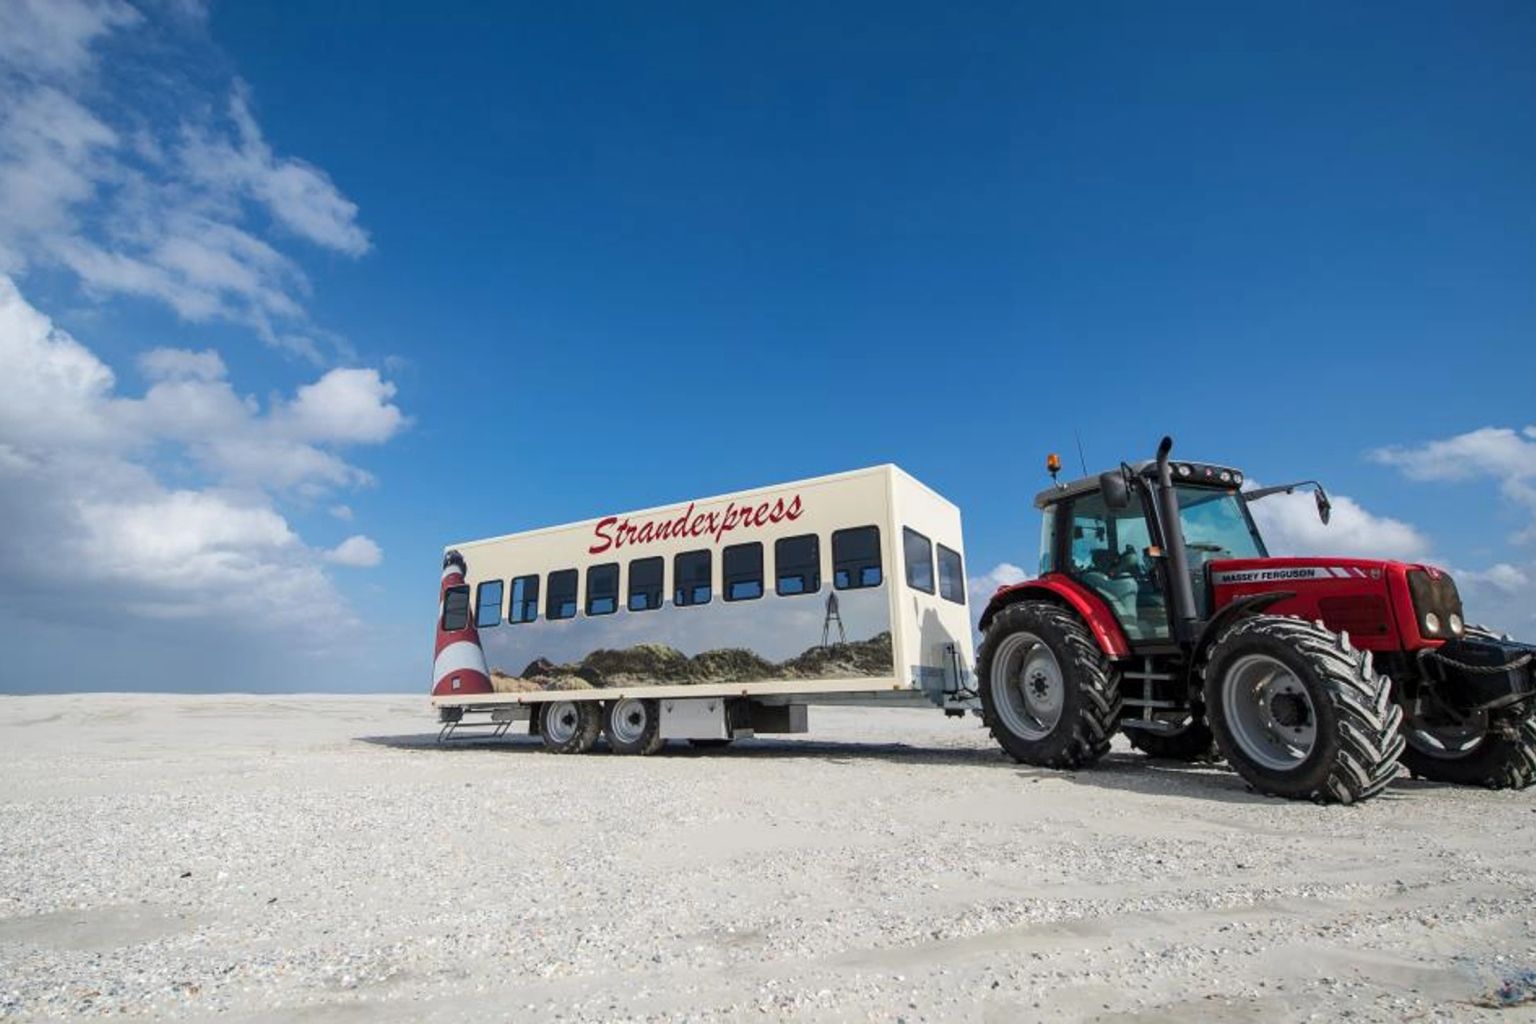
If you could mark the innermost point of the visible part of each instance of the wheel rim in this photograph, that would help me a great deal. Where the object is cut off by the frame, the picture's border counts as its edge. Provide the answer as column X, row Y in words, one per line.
column 1269, row 712
column 1027, row 686
column 1448, row 742
column 561, row 720
column 628, row 719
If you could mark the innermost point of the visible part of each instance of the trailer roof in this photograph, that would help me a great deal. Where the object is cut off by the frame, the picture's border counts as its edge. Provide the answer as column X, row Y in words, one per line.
column 886, row 468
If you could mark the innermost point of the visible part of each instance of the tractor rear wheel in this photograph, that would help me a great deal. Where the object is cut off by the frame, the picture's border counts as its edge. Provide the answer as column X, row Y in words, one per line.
column 1048, row 694
column 1299, row 713
column 1473, row 754
column 1193, row 744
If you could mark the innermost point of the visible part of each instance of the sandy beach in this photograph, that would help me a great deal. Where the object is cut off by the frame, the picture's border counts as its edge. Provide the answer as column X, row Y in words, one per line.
column 322, row 859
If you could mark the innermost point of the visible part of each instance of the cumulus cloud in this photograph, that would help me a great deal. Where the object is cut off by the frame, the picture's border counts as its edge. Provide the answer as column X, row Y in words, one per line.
column 88, row 519
column 168, row 210
column 342, row 512
column 1500, row 454
column 980, row 588
column 356, row 551
column 1291, row 526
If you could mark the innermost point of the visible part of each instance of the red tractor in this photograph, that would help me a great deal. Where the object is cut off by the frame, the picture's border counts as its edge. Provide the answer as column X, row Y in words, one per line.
column 1159, row 611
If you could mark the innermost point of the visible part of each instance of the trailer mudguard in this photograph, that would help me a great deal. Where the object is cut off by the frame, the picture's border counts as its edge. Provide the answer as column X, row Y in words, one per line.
column 1089, row 606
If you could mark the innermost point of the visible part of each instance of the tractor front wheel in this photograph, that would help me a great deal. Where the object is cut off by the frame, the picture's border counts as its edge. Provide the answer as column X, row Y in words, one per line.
column 1299, row 713
column 1473, row 754
column 1048, row 694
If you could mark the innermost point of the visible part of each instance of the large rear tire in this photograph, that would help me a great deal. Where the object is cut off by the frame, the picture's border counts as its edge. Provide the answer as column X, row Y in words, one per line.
column 1299, row 713
column 1048, row 693
column 1193, row 744
column 1480, row 757
column 569, row 726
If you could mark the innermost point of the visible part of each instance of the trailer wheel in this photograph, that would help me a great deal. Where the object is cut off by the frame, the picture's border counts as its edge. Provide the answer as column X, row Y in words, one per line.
column 568, row 726
column 1473, row 755
column 1048, row 694
column 1193, row 744
column 1300, row 713
column 634, row 726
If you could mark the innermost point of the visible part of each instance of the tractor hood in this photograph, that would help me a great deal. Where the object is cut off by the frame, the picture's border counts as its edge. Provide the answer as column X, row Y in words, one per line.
column 1383, row 605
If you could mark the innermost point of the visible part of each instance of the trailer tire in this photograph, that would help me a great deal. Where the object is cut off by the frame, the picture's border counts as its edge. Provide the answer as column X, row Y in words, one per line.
column 569, row 726
column 1048, row 694
column 633, row 726
column 1495, row 762
column 1268, row 674
column 1193, row 744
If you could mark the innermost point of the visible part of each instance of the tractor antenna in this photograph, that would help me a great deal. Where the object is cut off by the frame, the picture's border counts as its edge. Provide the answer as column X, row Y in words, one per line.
column 1079, row 436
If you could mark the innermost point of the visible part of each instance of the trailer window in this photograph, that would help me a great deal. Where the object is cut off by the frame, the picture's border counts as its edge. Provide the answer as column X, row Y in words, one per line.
column 525, row 599
column 741, row 571
column 856, row 558
column 797, row 565
column 691, row 573
column 488, row 604
column 603, row 589
column 455, row 609
column 645, row 584
column 951, row 576
column 560, row 603
column 918, row 552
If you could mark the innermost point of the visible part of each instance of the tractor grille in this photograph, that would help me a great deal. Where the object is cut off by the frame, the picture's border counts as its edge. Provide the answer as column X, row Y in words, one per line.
column 1433, row 594
column 1359, row 615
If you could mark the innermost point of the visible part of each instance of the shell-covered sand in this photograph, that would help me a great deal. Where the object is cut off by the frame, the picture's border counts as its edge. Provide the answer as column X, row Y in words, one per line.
column 321, row 859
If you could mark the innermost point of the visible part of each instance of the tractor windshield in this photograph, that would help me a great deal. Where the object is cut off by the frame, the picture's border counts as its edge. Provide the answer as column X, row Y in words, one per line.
column 1216, row 525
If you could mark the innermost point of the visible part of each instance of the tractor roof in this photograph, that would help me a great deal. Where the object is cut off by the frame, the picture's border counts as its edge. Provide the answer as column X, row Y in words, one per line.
column 1195, row 474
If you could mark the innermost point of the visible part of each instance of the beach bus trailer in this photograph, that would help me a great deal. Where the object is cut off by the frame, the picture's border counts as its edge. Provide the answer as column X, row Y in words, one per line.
column 709, row 620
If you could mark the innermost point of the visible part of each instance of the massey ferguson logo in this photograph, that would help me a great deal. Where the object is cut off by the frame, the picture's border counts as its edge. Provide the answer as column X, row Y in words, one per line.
column 614, row 532
column 1300, row 572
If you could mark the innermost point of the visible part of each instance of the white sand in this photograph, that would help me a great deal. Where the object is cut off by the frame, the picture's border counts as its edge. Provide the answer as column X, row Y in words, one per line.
column 890, row 865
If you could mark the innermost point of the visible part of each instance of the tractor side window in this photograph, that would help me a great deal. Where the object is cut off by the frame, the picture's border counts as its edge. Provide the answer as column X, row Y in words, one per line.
column 1108, row 553
column 1048, row 541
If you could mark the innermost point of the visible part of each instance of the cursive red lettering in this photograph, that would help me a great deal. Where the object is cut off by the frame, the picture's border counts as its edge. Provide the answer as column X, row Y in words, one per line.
column 601, row 531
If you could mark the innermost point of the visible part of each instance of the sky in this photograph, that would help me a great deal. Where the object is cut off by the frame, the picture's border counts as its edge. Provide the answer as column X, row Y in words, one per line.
column 292, row 295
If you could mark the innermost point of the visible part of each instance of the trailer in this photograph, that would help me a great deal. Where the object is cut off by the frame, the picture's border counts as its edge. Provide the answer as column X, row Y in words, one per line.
column 711, row 619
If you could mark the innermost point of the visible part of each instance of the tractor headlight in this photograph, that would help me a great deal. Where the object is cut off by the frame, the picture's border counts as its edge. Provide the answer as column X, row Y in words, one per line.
column 1431, row 623
column 1457, row 626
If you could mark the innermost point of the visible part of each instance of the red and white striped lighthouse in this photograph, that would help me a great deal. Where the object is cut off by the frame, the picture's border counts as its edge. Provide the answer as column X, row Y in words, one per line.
column 459, row 665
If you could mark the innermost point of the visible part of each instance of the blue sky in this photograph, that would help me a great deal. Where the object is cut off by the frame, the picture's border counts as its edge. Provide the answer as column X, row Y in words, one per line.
column 543, row 263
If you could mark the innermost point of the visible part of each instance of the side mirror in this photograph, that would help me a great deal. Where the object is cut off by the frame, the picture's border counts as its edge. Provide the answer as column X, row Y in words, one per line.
column 1324, row 506
column 1117, row 493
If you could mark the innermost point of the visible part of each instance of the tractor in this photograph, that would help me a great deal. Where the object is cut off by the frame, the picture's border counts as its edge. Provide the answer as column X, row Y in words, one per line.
column 1159, row 611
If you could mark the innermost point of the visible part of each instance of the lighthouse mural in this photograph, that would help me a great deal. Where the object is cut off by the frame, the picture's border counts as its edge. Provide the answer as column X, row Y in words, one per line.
column 459, row 665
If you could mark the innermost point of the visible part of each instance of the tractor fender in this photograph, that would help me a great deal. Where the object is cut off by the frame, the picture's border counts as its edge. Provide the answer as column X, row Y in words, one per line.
column 1090, row 607
column 1252, row 604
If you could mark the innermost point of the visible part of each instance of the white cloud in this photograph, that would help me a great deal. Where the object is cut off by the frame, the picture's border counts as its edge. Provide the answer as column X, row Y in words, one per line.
column 165, row 210
column 301, row 197
column 87, row 519
column 356, row 551
column 980, row 588
column 342, row 512
column 181, row 364
column 1290, row 525
column 53, row 37
column 345, row 406
column 1500, row 454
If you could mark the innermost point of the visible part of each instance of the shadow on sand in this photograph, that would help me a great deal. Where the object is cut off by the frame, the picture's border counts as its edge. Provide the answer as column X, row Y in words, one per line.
column 1124, row 772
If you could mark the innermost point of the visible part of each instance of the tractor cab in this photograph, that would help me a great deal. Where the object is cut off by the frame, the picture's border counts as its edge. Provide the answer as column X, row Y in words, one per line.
column 1109, row 533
